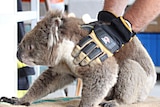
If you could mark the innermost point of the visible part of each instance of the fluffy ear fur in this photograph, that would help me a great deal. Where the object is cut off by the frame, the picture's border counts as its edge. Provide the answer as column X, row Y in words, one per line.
column 53, row 36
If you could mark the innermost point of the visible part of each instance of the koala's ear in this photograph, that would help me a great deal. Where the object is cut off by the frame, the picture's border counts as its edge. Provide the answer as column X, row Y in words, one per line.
column 53, row 36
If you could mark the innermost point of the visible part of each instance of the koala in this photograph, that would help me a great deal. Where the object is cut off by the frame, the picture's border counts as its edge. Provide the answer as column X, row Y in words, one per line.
column 125, row 78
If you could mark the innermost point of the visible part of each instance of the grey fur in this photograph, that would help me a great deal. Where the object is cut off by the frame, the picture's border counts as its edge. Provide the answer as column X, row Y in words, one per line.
column 125, row 78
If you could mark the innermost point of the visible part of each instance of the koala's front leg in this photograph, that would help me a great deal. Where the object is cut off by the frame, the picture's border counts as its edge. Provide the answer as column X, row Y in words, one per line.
column 49, row 81
column 96, row 85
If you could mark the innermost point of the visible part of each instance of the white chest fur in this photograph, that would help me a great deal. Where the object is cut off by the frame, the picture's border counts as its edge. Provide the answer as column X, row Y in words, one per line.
column 64, row 53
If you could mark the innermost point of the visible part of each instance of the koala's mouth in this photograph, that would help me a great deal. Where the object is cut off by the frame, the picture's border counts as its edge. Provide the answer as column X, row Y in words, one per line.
column 25, row 59
column 29, row 61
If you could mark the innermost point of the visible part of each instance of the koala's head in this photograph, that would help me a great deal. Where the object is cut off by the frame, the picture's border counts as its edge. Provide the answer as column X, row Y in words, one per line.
column 37, row 45
column 41, row 45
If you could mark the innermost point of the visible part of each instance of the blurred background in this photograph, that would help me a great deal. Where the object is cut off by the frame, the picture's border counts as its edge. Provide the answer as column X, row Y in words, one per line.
column 19, row 17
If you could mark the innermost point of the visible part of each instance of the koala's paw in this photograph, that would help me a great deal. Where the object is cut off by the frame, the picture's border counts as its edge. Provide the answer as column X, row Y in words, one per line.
column 14, row 101
column 108, row 104
column 72, row 105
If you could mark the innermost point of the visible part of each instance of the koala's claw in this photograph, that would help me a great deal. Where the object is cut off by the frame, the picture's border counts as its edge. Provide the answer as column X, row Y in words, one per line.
column 107, row 104
column 13, row 101
column 7, row 100
column 26, row 104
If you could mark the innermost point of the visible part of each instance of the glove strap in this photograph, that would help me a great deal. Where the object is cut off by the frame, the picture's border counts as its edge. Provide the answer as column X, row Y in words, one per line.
column 106, row 16
column 126, row 33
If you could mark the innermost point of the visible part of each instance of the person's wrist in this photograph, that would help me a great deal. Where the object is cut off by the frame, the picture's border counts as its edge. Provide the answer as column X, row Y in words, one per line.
column 126, row 23
column 131, row 20
column 122, row 29
column 129, row 26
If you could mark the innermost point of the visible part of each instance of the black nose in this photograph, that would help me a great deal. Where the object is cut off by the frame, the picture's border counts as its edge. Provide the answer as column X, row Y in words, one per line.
column 19, row 55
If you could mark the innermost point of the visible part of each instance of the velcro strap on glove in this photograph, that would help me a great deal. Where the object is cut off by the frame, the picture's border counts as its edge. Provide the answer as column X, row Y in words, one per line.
column 123, row 27
column 106, row 16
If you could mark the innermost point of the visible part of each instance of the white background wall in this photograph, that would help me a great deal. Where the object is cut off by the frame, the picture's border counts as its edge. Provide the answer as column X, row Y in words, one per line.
column 8, row 42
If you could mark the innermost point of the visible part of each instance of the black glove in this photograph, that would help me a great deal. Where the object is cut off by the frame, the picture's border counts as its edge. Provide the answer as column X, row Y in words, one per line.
column 106, row 37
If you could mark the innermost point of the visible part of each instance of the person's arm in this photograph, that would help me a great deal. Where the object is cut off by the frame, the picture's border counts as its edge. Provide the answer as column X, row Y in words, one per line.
column 116, row 7
column 113, row 29
column 142, row 12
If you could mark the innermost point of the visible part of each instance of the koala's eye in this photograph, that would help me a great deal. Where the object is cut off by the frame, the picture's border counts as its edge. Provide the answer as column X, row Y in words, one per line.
column 30, row 47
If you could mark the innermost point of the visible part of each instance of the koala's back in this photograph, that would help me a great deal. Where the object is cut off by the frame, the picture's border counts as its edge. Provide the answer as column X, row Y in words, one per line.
column 137, row 74
column 135, row 50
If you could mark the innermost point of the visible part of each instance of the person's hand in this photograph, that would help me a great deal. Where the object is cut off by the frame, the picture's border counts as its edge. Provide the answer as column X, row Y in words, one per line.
column 106, row 37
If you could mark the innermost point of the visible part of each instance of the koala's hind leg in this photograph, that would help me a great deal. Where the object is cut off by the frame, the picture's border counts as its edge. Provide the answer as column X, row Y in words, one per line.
column 97, row 83
column 131, row 84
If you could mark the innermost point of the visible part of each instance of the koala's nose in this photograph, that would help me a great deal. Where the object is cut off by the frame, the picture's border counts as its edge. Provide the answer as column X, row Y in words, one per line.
column 19, row 55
